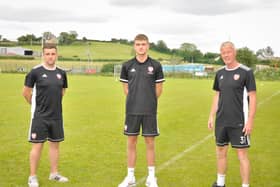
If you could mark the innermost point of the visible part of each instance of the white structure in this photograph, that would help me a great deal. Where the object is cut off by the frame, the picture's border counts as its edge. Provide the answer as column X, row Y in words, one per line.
column 16, row 51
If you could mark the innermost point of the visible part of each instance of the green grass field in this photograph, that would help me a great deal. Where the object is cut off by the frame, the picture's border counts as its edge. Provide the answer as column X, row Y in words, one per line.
column 101, row 50
column 93, row 153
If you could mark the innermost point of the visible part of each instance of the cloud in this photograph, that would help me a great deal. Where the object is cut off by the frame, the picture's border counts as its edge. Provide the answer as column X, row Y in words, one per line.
column 131, row 3
column 194, row 7
column 35, row 14
column 205, row 7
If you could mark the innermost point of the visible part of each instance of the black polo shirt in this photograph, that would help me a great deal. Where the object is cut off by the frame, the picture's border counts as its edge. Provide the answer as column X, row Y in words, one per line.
column 47, row 89
column 233, row 85
column 141, row 79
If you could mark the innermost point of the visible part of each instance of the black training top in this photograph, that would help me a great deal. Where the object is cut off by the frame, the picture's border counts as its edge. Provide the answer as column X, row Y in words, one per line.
column 141, row 79
column 233, row 85
column 47, row 91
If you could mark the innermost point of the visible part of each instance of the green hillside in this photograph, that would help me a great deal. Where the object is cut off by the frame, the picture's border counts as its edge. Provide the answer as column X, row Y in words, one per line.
column 100, row 51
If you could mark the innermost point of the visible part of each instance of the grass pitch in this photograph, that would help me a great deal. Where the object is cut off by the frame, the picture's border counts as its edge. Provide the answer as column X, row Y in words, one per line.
column 94, row 150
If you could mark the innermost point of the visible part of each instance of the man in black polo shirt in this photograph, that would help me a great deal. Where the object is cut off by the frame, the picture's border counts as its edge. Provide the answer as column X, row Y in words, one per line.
column 44, row 88
column 234, row 105
column 142, row 79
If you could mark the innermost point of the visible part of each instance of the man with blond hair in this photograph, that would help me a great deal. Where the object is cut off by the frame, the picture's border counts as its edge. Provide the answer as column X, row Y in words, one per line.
column 142, row 79
column 234, row 105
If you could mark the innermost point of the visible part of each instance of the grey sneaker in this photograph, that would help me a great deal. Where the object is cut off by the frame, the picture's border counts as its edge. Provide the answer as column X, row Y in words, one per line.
column 33, row 181
column 57, row 177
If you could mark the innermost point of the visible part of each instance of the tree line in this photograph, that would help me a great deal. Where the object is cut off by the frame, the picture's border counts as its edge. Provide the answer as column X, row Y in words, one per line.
column 187, row 52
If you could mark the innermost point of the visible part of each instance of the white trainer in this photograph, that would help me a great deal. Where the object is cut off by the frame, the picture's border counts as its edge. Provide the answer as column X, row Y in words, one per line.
column 33, row 181
column 58, row 177
column 128, row 182
column 151, row 182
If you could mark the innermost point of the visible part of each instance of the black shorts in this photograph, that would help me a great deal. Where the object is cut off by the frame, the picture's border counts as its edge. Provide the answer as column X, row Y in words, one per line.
column 134, row 122
column 234, row 135
column 46, row 129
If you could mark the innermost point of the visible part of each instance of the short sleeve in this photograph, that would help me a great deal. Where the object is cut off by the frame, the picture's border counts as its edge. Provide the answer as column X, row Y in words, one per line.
column 124, row 74
column 30, row 79
column 65, row 82
column 216, row 83
column 159, row 75
column 250, row 81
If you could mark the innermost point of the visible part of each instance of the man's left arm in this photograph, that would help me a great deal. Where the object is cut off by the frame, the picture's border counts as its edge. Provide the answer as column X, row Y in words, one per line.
column 252, row 110
column 158, row 89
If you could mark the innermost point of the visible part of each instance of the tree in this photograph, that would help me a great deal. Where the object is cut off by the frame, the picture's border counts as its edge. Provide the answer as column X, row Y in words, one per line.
column 48, row 37
column 162, row 47
column 265, row 53
column 66, row 38
column 246, row 57
column 187, row 51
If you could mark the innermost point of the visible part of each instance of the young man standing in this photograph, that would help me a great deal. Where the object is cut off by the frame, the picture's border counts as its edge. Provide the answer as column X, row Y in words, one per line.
column 44, row 88
column 142, row 79
column 235, row 94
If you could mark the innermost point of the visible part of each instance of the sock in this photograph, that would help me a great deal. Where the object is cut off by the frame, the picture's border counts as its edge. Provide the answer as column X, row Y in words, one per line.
column 151, row 170
column 221, row 179
column 130, row 172
column 245, row 185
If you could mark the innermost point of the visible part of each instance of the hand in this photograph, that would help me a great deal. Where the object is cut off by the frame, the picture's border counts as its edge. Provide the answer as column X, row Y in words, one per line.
column 210, row 123
column 248, row 128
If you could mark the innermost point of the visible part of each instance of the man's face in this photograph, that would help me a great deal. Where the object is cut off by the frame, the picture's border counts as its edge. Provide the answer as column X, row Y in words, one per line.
column 141, row 47
column 50, row 56
column 228, row 54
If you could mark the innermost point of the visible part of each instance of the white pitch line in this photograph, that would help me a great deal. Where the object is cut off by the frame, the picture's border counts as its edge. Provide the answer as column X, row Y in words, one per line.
column 180, row 155
column 268, row 98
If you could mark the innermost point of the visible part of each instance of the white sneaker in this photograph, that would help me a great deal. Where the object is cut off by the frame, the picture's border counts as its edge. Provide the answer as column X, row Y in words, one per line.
column 58, row 177
column 33, row 181
column 151, row 182
column 128, row 182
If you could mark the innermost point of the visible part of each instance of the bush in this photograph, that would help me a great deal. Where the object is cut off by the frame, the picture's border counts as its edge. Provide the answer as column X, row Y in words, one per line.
column 272, row 74
column 108, row 68
column 18, row 57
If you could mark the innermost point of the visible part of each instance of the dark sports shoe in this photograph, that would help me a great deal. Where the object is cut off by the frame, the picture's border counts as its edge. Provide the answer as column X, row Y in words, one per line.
column 215, row 185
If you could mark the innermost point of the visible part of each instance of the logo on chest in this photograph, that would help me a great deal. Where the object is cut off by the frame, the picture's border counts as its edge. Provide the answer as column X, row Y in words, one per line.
column 58, row 76
column 133, row 70
column 150, row 70
column 236, row 76
column 44, row 75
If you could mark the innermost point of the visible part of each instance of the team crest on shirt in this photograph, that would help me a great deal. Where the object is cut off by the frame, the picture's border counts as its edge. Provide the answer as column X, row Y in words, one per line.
column 242, row 139
column 132, row 70
column 33, row 135
column 236, row 76
column 58, row 76
column 221, row 77
column 150, row 70
column 44, row 75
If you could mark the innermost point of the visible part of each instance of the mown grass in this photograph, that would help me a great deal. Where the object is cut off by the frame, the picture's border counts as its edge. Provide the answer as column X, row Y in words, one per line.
column 93, row 153
column 100, row 50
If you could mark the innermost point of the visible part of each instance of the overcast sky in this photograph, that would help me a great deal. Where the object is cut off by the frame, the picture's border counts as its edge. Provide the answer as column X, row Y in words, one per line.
column 206, row 23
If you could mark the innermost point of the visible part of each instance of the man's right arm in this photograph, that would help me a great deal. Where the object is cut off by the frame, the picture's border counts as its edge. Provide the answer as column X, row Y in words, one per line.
column 213, row 111
column 27, row 94
column 125, row 88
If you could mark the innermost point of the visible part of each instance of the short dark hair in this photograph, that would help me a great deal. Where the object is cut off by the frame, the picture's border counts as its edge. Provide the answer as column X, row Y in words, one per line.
column 141, row 37
column 49, row 46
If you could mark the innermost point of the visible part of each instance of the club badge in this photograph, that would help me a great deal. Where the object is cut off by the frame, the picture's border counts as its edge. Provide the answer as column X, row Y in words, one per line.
column 58, row 76
column 33, row 135
column 236, row 76
column 150, row 70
